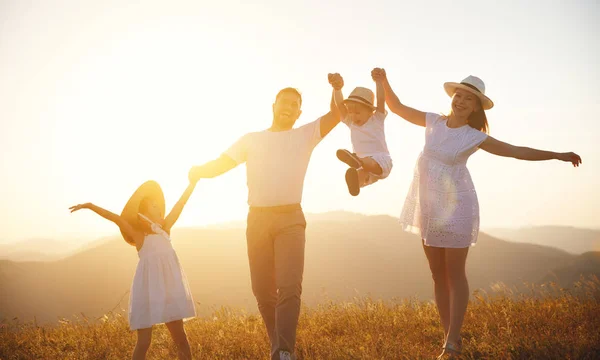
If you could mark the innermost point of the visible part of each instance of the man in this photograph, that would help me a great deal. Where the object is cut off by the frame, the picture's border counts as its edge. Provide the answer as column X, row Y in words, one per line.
column 276, row 163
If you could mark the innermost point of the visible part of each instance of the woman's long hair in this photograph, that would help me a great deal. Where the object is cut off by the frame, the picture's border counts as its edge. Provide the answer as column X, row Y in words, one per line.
column 478, row 120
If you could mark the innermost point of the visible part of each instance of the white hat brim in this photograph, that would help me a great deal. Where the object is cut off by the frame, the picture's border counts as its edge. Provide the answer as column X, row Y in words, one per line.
column 451, row 87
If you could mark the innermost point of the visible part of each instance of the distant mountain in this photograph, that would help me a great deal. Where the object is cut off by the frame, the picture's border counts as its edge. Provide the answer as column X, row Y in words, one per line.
column 345, row 256
column 583, row 265
column 570, row 239
column 36, row 250
column 44, row 249
column 23, row 255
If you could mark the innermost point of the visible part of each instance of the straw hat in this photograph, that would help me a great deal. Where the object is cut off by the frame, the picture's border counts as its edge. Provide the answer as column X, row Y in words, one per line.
column 475, row 86
column 149, row 189
column 363, row 96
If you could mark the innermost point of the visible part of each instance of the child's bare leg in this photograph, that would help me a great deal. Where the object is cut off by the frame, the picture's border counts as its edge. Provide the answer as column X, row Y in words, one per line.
column 371, row 166
column 144, row 338
column 180, row 338
column 363, row 176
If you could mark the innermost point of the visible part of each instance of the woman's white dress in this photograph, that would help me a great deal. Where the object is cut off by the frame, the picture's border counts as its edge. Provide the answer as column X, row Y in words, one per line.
column 160, row 292
column 441, row 205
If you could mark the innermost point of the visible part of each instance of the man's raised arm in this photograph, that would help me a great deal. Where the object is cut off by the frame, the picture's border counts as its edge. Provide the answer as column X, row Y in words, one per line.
column 332, row 118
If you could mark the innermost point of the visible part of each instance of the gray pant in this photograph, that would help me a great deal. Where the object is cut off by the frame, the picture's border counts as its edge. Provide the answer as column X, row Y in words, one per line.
column 276, row 238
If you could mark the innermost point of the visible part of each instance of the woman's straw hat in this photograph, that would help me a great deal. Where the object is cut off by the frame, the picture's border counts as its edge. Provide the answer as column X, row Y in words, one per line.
column 474, row 85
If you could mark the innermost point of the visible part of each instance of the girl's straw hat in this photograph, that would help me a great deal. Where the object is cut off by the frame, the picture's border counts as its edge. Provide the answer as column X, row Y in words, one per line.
column 149, row 189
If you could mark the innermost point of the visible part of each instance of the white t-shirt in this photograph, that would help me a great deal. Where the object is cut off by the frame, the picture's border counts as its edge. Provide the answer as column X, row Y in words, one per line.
column 368, row 139
column 276, row 163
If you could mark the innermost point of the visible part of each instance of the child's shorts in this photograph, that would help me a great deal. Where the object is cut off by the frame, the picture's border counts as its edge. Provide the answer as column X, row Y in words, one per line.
column 385, row 162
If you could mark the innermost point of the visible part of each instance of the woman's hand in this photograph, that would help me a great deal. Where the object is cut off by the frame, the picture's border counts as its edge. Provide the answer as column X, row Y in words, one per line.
column 570, row 157
column 79, row 207
column 378, row 75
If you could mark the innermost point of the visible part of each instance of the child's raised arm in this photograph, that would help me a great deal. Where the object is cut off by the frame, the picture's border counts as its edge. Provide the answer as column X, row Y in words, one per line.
column 379, row 88
column 119, row 221
column 337, row 98
column 178, row 208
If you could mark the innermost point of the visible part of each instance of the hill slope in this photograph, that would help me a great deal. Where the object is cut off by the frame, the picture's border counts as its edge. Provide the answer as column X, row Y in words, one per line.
column 570, row 239
column 364, row 256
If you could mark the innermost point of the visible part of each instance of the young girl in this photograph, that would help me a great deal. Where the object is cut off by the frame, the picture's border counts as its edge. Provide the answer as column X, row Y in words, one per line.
column 442, row 203
column 160, row 292
column 370, row 159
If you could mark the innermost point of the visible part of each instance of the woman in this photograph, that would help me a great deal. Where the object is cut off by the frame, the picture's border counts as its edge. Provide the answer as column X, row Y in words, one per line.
column 442, row 203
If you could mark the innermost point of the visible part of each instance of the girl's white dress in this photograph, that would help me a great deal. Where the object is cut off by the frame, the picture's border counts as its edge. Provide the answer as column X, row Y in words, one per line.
column 160, row 292
column 441, row 205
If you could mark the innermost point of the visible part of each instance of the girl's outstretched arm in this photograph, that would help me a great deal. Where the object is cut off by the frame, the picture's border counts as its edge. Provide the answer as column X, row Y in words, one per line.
column 119, row 221
column 500, row 148
column 407, row 113
column 178, row 208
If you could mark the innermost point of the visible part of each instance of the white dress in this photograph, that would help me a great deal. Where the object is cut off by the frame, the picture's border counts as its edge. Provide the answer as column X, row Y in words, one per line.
column 160, row 292
column 441, row 205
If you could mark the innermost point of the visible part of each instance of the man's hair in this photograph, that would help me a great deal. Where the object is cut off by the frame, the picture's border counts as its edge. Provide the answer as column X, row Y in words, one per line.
column 289, row 90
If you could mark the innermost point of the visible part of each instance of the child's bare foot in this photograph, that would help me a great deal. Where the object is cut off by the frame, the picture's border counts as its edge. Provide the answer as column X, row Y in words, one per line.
column 349, row 158
column 352, row 181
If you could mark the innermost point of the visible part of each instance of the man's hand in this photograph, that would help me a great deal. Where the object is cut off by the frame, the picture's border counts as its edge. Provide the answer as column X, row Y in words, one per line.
column 336, row 81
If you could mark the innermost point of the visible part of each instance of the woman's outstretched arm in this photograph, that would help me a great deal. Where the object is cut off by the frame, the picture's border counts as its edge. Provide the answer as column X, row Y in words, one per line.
column 500, row 148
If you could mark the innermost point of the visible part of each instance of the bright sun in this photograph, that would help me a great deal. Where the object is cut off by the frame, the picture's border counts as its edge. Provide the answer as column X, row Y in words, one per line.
column 162, row 110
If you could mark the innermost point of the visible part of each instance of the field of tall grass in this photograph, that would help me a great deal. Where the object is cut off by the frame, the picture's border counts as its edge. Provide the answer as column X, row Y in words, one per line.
column 544, row 322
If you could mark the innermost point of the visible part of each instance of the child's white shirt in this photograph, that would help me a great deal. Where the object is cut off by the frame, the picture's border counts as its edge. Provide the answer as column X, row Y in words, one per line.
column 369, row 139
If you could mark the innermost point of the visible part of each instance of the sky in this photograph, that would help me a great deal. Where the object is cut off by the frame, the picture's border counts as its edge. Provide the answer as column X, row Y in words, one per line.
column 97, row 97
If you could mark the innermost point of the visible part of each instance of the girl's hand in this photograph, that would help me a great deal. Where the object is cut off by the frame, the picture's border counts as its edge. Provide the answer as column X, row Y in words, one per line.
column 195, row 174
column 570, row 157
column 79, row 207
